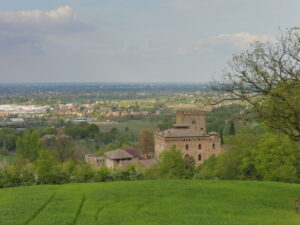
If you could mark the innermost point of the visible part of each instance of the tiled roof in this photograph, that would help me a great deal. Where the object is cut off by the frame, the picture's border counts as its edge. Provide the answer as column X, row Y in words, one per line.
column 118, row 154
column 182, row 132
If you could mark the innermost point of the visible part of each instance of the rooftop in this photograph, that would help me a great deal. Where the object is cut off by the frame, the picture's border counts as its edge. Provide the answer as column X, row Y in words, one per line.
column 118, row 154
column 182, row 132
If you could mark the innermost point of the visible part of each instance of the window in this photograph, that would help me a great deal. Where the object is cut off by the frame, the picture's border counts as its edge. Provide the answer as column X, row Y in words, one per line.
column 174, row 146
column 193, row 122
column 213, row 146
column 186, row 147
column 199, row 157
column 199, row 146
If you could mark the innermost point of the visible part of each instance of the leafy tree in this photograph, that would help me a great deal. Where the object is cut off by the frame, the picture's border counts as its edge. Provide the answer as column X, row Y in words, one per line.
column 172, row 164
column 221, row 136
column 278, row 159
column 29, row 145
column 146, row 143
column 232, row 128
column 268, row 78
column 47, row 168
column 64, row 148
column 207, row 170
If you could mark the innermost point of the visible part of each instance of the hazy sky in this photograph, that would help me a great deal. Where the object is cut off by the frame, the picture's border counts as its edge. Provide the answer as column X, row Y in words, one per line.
column 132, row 40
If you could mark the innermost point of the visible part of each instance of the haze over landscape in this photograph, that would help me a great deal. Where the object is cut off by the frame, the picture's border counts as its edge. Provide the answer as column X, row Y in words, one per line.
column 133, row 40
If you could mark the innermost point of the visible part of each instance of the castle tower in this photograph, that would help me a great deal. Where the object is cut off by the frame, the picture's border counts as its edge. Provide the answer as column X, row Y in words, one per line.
column 189, row 135
column 194, row 119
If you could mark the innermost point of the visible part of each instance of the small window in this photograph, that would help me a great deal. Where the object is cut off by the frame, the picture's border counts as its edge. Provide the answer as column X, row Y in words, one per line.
column 187, row 147
column 193, row 122
column 174, row 146
column 213, row 146
column 199, row 157
column 201, row 128
column 199, row 146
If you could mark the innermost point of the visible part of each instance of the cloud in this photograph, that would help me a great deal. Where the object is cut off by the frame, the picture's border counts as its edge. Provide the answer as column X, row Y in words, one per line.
column 22, row 31
column 64, row 13
column 240, row 41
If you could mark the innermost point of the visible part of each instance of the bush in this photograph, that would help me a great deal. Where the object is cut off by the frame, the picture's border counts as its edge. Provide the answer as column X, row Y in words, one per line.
column 207, row 170
column 103, row 174
column 172, row 164
column 127, row 173
column 84, row 173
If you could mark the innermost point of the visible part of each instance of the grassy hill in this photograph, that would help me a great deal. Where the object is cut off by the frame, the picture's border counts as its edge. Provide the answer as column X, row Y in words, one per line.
column 152, row 202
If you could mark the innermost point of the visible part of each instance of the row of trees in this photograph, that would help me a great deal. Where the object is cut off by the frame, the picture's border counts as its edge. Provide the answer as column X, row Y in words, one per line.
column 47, row 170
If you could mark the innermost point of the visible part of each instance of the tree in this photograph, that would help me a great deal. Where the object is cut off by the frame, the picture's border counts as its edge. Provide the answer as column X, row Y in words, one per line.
column 172, row 165
column 29, row 145
column 268, row 78
column 64, row 148
column 232, row 128
column 221, row 136
column 146, row 143
column 46, row 167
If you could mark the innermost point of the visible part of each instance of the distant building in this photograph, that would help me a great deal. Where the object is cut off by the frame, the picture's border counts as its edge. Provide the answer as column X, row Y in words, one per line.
column 118, row 158
column 189, row 135
column 17, row 120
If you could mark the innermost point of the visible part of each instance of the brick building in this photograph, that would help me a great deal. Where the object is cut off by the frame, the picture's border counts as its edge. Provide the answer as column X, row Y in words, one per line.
column 189, row 135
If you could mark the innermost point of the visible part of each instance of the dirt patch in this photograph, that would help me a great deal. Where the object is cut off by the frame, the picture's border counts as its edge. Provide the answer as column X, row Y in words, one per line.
column 298, row 206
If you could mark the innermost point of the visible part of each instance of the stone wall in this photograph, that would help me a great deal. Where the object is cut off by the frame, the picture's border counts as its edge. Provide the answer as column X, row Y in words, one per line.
column 201, row 148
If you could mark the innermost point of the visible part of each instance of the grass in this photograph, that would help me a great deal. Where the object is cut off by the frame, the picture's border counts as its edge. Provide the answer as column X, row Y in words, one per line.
column 152, row 203
column 134, row 125
column 10, row 157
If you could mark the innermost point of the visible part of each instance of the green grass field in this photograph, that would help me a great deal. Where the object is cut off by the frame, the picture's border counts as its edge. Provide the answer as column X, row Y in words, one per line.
column 9, row 157
column 134, row 125
column 152, row 202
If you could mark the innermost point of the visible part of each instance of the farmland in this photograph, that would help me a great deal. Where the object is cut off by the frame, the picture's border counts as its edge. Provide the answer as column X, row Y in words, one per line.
column 134, row 125
column 152, row 202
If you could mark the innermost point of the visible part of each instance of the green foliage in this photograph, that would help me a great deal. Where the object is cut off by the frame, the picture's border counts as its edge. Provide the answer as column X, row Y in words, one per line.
column 103, row 174
column 126, row 173
column 8, row 138
column 231, row 128
column 48, row 170
column 29, row 145
column 207, row 170
column 172, row 164
column 84, row 173
column 278, row 159
column 82, row 130
column 167, row 122
column 63, row 148
column 250, row 156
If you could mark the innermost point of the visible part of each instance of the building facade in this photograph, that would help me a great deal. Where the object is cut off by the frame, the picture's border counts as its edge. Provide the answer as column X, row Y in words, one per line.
column 189, row 135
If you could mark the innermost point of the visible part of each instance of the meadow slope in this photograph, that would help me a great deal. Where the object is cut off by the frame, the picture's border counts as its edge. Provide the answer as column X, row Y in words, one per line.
column 152, row 202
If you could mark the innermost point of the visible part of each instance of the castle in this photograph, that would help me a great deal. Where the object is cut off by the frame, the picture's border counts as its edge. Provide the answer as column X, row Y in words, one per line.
column 189, row 135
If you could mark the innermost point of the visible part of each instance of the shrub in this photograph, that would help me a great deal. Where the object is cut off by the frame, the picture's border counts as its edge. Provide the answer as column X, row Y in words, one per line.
column 103, row 174
column 127, row 173
column 84, row 173
column 207, row 170
column 172, row 164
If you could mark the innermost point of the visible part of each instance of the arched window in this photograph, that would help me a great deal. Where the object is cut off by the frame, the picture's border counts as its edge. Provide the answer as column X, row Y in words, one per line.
column 186, row 147
column 199, row 146
column 193, row 122
column 199, row 157
column 213, row 146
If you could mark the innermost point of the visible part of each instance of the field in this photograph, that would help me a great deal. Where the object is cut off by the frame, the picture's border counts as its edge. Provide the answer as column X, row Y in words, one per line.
column 152, row 202
column 8, row 158
column 134, row 125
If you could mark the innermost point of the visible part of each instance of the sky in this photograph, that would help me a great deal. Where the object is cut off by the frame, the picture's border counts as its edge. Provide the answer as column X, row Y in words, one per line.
column 133, row 40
